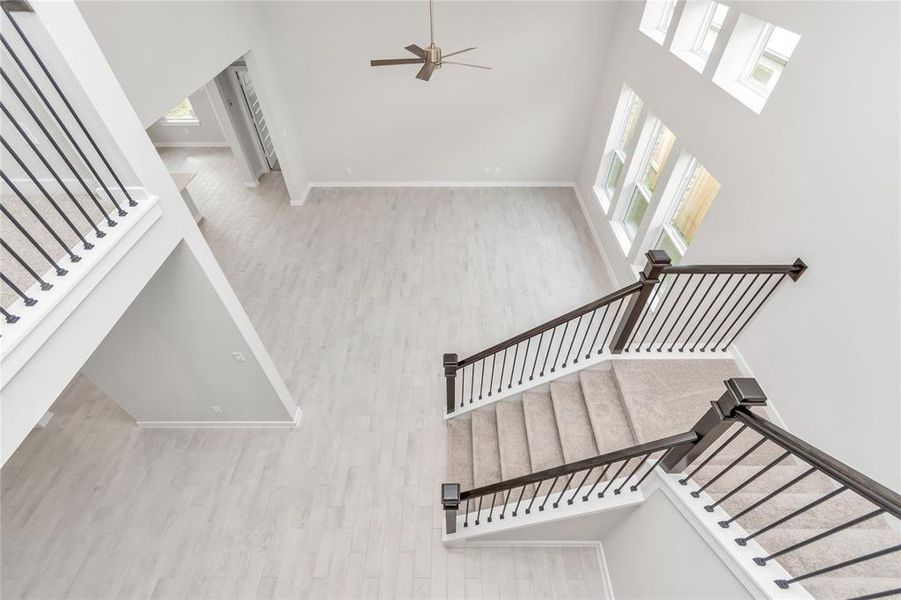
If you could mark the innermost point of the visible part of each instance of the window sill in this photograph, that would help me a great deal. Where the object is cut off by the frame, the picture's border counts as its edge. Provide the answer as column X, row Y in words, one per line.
column 744, row 94
column 621, row 236
column 655, row 34
column 601, row 195
column 186, row 123
column 692, row 59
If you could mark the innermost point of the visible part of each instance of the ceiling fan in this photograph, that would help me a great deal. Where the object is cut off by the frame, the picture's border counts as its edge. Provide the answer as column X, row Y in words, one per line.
column 430, row 58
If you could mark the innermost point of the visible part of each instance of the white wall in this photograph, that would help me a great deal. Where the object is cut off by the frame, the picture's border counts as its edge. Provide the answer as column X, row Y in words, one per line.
column 814, row 175
column 526, row 116
column 655, row 553
column 207, row 133
column 179, row 55
column 179, row 325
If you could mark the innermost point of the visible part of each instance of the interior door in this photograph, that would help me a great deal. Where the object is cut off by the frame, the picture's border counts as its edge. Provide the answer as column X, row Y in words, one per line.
column 256, row 116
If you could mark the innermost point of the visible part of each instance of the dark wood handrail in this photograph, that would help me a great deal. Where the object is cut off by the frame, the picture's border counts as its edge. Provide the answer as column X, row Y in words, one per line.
column 851, row 478
column 582, row 310
column 794, row 270
column 689, row 437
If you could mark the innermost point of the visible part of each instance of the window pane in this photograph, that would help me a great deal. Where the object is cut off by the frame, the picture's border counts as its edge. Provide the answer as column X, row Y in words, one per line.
column 694, row 204
column 666, row 15
column 183, row 111
column 638, row 205
column 717, row 16
column 616, row 171
column 669, row 245
column 630, row 122
column 660, row 152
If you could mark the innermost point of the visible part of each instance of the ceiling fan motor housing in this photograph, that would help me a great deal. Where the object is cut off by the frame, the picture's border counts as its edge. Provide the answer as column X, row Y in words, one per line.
column 433, row 54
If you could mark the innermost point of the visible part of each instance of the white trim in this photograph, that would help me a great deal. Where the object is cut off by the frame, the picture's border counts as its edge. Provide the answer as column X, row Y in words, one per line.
column 605, row 571
column 191, row 145
column 599, row 245
column 293, row 424
column 440, row 184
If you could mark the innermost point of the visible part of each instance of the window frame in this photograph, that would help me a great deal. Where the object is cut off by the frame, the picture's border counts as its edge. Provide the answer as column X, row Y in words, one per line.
column 706, row 24
column 192, row 121
column 614, row 151
column 760, row 50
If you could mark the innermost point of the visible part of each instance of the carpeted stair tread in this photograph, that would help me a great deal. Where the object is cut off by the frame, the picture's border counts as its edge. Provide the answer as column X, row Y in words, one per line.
column 605, row 411
column 832, row 512
column 844, row 545
column 830, row 588
column 666, row 397
column 486, row 465
column 459, row 451
column 545, row 450
column 769, row 481
column 512, row 439
column 573, row 424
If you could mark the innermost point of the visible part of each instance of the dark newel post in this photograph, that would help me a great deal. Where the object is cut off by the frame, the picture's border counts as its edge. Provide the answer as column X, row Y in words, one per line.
column 450, row 500
column 740, row 391
column 450, row 373
column 649, row 278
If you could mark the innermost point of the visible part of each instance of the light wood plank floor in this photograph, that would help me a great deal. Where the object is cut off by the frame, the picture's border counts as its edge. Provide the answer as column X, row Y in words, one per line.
column 357, row 295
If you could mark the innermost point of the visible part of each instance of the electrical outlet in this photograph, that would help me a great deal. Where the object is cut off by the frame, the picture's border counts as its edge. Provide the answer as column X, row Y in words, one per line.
column 217, row 409
column 238, row 357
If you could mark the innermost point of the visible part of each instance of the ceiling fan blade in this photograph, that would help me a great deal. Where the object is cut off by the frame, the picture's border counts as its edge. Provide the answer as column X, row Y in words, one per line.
column 396, row 61
column 459, row 52
column 415, row 50
column 425, row 73
column 450, row 62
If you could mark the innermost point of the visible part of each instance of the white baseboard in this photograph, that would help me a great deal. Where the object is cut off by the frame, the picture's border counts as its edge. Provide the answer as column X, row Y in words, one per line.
column 191, row 145
column 292, row 424
column 595, row 237
column 440, row 184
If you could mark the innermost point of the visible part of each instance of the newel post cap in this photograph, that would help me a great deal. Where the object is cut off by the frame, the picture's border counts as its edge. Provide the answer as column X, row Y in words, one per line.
column 741, row 391
column 450, row 496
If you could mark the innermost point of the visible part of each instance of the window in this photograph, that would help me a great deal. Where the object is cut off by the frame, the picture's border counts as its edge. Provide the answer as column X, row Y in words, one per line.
column 658, row 153
column 775, row 47
column 656, row 19
column 696, row 194
column 710, row 28
column 181, row 114
column 625, row 122
column 697, row 32
column 754, row 60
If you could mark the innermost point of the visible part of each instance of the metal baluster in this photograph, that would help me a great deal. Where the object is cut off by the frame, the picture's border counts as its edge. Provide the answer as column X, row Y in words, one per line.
column 704, row 316
column 578, row 489
column 44, row 285
column 537, row 352
column 612, row 479
column 59, row 270
column 584, row 337
column 644, row 313
column 513, row 367
column 619, row 307
column 534, row 495
column 693, row 312
column 768, row 497
column 525, row 359
column 883, row 594
column 482, row 379
column 681, row 312
column 10, row 318
column 28, row 300
column 762, row 560
column 634, row 488
column 731, row 310
column 744, row 541
column 669, row 314
column 472, row 380
column 466, row 517
column 632, row 474
column 596, row 482
column 491, row 381
column 59, row 151
column 560, row 347
column 754, row 312
column 43, row 190
column 658, row 311
column 507, row 499
column 546, row 354
column 62, row 125
column 549, row 492
column 563, row 491
column 500, row 380
column 72, row 256
column 479, row 510
column 65, row 100
column 784, row 583
column 24, row 135
column 747, row 482
column 572, row 341
column 491, row 511
column 516, row 508
column 742, row 312
column 600, row 327
column 712, row 455
column 722, row 308
column 729, row 467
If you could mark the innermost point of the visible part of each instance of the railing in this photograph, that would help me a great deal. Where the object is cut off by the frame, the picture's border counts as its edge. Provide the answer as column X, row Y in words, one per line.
column 51, row 206
column 675, row 454
column 694, row 308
